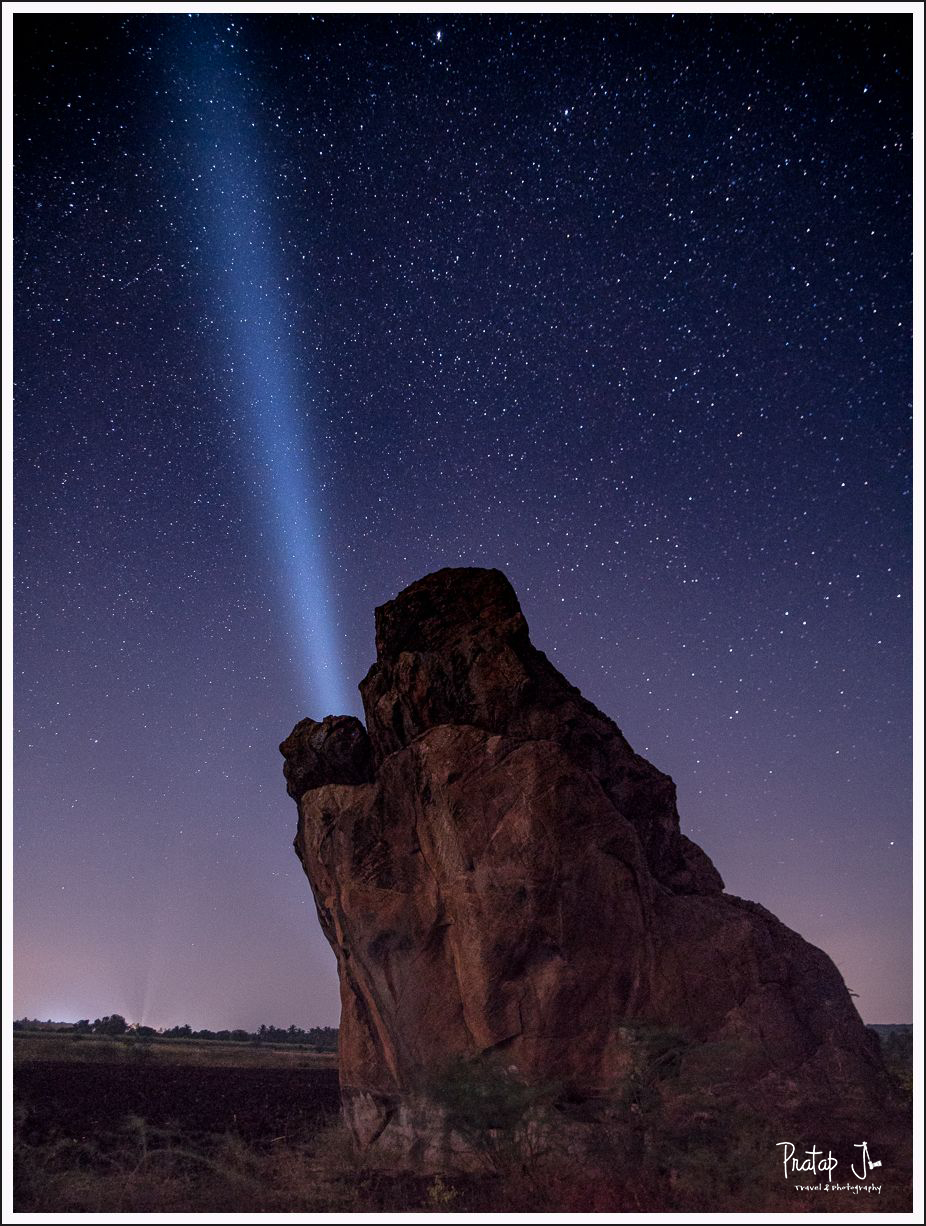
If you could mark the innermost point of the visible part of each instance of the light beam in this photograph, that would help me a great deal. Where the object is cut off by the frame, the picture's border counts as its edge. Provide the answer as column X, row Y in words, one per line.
column 275, row 397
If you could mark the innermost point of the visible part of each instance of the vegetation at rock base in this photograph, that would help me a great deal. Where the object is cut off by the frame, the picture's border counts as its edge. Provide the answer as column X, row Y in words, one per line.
column 897, row 1045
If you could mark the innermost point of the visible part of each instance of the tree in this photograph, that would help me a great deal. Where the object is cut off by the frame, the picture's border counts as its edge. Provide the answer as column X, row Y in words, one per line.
column 111, row 1024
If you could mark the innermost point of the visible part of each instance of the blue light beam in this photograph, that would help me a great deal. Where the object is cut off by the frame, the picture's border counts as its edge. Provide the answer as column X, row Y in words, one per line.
column 242, row 251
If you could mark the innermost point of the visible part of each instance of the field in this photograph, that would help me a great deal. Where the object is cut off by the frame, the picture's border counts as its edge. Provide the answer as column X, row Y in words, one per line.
column 83, row 1100
column 33, row 1046
column 79, row 1089
column 169, row 1125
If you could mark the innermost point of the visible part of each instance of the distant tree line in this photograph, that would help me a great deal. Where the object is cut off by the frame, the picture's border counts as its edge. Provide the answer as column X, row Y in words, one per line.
column 112, row 1023
column 897, row 1045
column 324, row 1038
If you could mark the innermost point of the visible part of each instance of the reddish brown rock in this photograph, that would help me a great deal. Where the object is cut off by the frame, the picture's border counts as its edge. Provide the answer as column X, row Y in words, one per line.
column 500, row 875
column 337, row 750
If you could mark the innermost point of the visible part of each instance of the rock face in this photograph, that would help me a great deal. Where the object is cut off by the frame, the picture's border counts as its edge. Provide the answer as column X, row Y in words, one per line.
column 501, row 876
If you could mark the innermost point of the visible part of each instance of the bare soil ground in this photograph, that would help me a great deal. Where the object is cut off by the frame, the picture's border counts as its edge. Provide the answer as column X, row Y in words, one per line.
column 80, row 1100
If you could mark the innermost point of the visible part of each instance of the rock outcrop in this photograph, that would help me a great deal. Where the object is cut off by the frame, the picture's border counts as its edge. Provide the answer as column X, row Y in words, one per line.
column 503, row 879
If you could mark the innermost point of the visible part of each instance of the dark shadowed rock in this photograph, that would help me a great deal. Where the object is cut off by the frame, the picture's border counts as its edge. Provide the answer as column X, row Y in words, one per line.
column 502, row 877
column 337, row 750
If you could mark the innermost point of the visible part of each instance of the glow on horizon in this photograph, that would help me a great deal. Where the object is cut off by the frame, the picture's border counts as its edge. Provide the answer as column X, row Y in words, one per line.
column 275, row 392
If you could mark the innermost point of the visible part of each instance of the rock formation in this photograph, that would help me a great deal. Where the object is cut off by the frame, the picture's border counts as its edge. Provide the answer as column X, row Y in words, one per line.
column 502, row 878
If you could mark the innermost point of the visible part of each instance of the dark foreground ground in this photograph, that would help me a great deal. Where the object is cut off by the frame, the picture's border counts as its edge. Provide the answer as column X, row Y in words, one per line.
column 115, row 1126
column 83, row 1101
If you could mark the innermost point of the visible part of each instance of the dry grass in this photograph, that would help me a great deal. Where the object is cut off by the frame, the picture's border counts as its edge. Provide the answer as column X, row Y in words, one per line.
column 147, row 1170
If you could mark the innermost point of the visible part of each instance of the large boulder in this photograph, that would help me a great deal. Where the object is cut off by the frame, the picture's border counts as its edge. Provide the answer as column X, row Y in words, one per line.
column 504, row 883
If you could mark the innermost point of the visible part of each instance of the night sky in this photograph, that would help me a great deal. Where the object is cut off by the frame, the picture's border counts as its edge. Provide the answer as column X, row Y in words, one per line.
column 307, row 307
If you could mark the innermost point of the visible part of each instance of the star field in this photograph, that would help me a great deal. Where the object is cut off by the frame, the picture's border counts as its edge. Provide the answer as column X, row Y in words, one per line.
column 620, row 304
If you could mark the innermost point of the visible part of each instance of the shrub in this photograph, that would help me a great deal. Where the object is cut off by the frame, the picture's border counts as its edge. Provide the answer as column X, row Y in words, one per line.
column 499, row 1117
